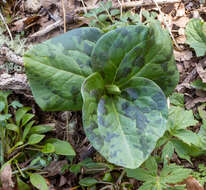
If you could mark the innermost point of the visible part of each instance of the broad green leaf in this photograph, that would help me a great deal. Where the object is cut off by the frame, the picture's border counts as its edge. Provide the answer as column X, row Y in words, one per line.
column 198, row 84
column 170, row 174
column 140, row 174
column 4, row 117
column 173, row 174
column 202, row 111
column 202, row 134
column 22, row 185
column 177, row 99
column 112, row 47
column 179, row 118
column 196, row 36
column 26, row 118
column 15, row 104
column 182, row 149
column 88, row 181
column 64, row 63
column 38, row 181
column 115, row 12
column 20, row 114
column 118, row 61
column 61, row 147
column 48, row 148
column 3, row 98
column 121, row 125
column 151, row 165
column 167, row 152
column 12, row 127
column 35, row 138
column 2, row 106
column 188, row 137
column 40, row 129
column 27, row 129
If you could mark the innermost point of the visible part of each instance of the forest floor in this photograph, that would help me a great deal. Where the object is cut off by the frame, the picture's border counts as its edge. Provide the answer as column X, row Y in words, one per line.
column 24, row 23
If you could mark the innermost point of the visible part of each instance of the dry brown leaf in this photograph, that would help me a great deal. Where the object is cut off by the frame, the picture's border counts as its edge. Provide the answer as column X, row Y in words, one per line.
column 91, row 3
column 202, row 72
column 55, row 167
column 182, row 55
column 193, row 184
column 181, row 22
column 181, row 39
column 33, row 5
column 6, row 178
column 180, row 10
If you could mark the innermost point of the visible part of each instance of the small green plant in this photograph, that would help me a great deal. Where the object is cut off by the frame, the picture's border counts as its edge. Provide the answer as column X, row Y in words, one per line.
column 20, row 139
column 166, row 179
column 200, row 175
column 196, row 36
column 117, row 79
column 107, row 18
column 178, row 138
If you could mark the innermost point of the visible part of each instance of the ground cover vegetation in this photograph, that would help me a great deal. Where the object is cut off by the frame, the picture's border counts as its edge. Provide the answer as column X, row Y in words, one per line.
column 141, row 126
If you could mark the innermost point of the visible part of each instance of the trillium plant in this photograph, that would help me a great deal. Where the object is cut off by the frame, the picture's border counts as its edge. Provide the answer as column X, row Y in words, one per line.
column 119, row 79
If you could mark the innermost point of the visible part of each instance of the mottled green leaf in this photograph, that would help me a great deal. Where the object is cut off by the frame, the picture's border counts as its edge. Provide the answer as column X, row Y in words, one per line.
column 196, row 36
column 118, row 61
column 64, row 63
column 128, row 124
column 61, row 147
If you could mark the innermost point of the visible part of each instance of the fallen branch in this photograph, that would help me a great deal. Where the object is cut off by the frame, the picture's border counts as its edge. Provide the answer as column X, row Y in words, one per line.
column 131, row 4
column 14, row 82
column 8, row 55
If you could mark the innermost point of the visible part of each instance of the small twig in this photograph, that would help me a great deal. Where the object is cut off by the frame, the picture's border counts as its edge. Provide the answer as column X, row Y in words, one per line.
column 131, row 4
column 48, row 29
column 120, row 177
column 120, row 7
column 84, row 6
column 166, row 24
column 64, row 16
column 3, row 20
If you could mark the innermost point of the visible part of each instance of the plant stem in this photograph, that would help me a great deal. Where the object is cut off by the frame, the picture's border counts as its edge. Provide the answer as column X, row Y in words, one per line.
column 120, row 177
column 2, row 145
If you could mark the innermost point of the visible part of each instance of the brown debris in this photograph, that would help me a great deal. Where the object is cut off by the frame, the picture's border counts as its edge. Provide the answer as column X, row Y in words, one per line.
column 6, row 178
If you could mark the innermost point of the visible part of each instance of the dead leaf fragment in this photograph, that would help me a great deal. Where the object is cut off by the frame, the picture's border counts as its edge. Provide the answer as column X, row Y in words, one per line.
column 6, row 178
column 202, row 72
column 183, row 55
column 33, row 5
column 55, row 167
column 193, row 184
